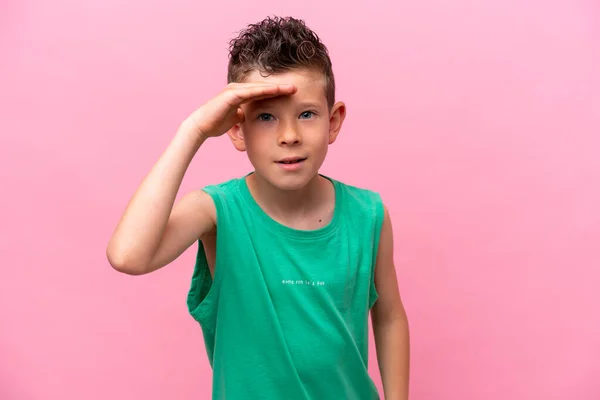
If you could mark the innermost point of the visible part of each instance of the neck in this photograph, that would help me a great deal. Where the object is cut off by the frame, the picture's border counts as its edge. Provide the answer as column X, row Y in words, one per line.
column 291, row 206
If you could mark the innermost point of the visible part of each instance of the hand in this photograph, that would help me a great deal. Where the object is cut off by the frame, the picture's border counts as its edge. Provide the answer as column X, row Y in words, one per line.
column 223, row 111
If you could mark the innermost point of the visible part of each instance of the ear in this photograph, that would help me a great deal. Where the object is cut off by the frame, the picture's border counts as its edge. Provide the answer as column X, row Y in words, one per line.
column 336, row 119
column 237, row 137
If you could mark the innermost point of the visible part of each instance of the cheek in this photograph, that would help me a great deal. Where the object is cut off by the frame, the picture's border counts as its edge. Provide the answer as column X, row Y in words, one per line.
column 255, row 143
column 321, row 137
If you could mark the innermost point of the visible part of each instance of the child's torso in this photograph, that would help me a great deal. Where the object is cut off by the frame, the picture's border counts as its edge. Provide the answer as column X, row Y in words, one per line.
column 286, row 314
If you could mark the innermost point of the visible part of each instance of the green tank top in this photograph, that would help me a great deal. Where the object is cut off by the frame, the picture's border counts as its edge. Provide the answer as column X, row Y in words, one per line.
column 286, row 316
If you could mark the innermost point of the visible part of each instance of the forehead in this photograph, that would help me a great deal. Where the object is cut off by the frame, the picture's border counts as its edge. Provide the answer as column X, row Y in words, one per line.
column 310, row 85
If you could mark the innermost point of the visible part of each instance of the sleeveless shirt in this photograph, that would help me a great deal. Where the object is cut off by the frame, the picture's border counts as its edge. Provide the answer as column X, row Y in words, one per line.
column 286, row 315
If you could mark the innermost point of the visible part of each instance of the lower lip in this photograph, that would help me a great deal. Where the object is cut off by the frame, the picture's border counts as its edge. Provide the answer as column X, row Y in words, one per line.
column 291, row 167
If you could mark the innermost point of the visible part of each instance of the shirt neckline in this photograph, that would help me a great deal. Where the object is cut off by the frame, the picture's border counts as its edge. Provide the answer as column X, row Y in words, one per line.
column 280, row 228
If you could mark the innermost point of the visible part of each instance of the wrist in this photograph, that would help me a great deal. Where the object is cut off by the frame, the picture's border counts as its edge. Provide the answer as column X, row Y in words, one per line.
column 189, row 129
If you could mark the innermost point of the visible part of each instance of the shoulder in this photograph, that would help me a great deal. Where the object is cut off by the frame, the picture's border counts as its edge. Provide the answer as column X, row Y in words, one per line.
column 223, row 192
column 368, row 205
column 222, row 188
column 204, row 201
column 221, row 197
column 362, row 199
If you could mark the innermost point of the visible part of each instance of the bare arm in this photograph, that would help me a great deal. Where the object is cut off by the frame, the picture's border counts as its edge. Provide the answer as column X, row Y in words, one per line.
column 390, row 323
column 152, row 231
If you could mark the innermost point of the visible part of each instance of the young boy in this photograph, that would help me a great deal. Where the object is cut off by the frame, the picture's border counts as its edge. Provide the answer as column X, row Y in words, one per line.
column 290, row 262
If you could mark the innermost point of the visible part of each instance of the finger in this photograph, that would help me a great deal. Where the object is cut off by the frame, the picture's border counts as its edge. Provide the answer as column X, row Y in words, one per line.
column 261, row 91
column 245, row 85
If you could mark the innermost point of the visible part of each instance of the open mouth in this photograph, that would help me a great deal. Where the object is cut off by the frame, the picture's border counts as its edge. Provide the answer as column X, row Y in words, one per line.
column 291, row 161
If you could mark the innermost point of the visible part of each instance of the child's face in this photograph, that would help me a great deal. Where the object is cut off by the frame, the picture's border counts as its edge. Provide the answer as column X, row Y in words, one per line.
column 297, row 129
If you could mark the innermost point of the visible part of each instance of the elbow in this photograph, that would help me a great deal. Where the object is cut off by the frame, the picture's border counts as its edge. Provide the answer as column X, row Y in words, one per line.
column 121, row 263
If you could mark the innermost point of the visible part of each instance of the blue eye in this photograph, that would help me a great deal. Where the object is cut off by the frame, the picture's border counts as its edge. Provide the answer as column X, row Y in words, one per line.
column 265, row 117
column 307, row 114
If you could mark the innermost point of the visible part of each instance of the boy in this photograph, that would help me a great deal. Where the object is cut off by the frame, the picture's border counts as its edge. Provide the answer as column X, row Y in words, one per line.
column 289, row 262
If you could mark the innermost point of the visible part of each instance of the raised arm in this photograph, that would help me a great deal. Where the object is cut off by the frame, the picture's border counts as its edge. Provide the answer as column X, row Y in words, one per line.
column 153, row 231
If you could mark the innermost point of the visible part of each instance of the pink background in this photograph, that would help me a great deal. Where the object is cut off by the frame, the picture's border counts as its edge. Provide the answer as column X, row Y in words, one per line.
column 478, row 121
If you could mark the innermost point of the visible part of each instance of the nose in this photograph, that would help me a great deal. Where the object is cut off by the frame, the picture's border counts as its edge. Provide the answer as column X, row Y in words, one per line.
column 289, row 136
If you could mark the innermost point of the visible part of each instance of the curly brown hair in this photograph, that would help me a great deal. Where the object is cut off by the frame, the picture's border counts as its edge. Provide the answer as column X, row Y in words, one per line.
column 279, row 44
